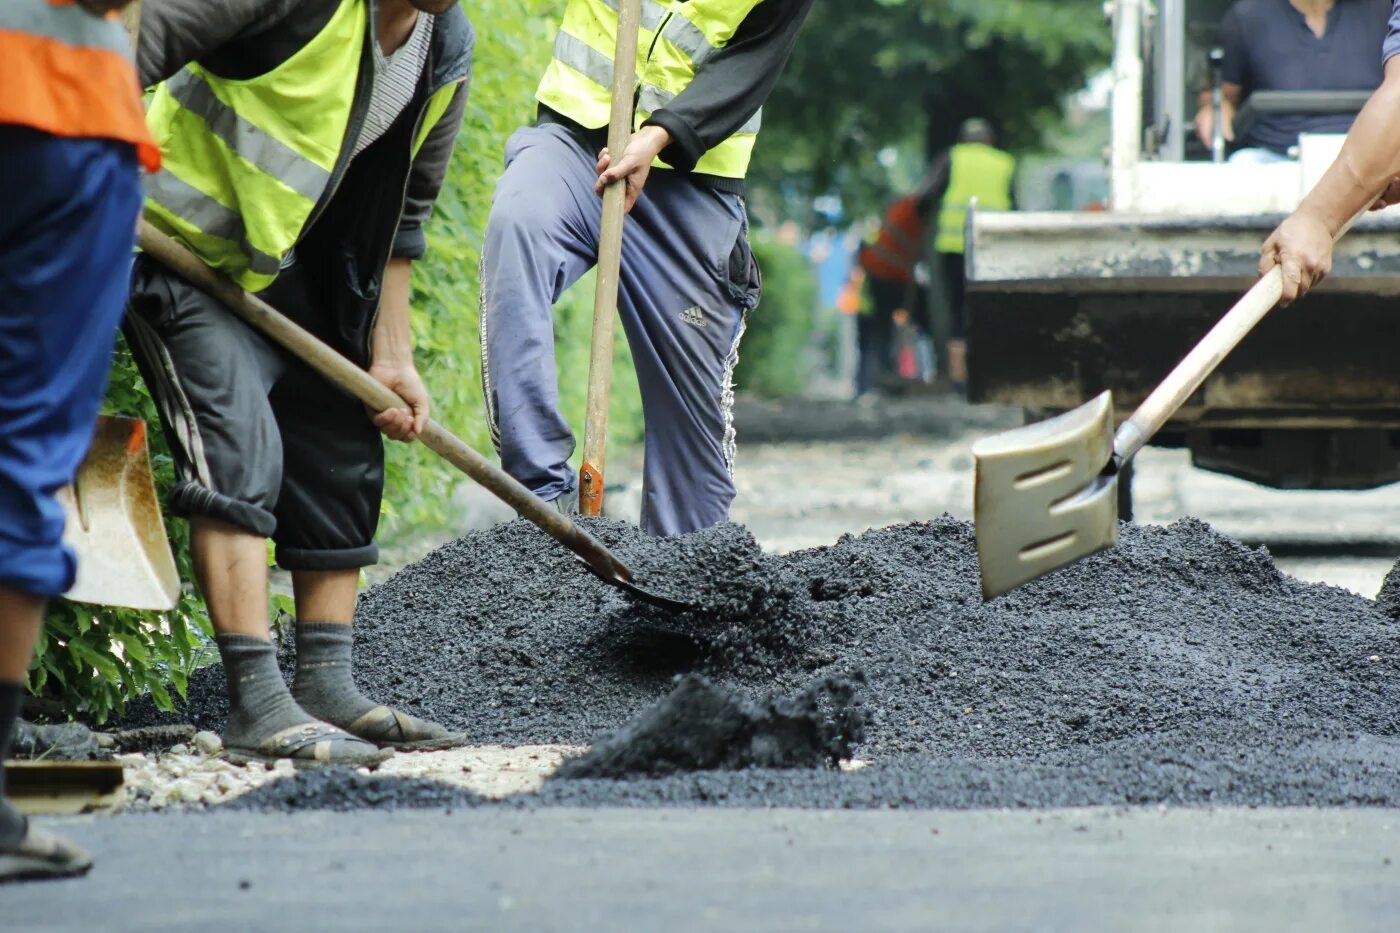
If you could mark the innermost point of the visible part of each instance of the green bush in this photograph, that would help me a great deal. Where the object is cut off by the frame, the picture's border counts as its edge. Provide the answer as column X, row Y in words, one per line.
column 774, row 358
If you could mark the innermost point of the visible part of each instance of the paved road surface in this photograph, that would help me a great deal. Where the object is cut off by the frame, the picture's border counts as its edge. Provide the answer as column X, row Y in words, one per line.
column 618, row 870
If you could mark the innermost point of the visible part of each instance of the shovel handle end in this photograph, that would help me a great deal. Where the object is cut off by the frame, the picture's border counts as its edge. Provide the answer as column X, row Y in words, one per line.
column 590, row 490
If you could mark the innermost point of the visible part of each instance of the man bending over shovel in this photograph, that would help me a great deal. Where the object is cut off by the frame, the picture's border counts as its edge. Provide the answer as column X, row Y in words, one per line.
column 305, row 142
column 687, row 279
column 1368, row 163
column 71, row 133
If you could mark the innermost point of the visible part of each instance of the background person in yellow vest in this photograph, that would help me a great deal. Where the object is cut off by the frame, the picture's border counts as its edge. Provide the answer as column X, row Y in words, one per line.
column 704, row 68
column 304, row 144
column 976, row 170
column 70, row 135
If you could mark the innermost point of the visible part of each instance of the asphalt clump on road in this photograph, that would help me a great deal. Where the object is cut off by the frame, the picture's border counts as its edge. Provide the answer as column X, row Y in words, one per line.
column 700, row 726
column 345, row 790
column 1179, row 667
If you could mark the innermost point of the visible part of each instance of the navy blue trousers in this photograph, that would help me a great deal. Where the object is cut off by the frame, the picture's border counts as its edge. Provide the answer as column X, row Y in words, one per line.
column 687, row 280
column 67, row 228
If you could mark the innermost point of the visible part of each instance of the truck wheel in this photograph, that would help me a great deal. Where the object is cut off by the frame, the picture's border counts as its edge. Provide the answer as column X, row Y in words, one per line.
column 1125, row 492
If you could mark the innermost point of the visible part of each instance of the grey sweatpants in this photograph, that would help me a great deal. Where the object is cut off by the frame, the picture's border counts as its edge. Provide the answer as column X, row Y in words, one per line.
column 688, row 278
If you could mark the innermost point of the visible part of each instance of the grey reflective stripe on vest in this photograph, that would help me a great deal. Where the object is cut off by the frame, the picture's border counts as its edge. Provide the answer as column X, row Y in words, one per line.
column 69, row 24
column 270, row 155
column 583, row 58
column 681, row 32
column 195, row 207
column 653, row 99
column 687, row 37
column 652, row 13
column 598, row 68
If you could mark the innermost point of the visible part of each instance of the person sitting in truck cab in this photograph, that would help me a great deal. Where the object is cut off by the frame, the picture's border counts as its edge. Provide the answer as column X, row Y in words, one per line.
column 1293, row 45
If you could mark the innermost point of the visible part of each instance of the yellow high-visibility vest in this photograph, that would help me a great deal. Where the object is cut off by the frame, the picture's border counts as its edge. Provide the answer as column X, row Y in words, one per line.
column 976, row 171
column 675, row 38
column 246, row 162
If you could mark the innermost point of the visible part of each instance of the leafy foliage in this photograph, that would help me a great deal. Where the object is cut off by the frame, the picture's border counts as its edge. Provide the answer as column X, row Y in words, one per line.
column 773, row 357
column 910, row 71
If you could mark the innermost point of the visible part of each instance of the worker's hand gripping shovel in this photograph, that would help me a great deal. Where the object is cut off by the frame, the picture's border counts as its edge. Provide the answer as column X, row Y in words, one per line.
column 1047, row 494
column 595, row 430
column 353, row 380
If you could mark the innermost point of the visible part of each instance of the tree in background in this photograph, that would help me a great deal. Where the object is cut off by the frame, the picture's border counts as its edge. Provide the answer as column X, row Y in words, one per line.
column 872, row 74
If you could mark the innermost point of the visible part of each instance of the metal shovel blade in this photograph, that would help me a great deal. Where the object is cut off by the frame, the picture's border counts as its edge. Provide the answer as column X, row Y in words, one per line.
column 114, row 523
column 1046, row 495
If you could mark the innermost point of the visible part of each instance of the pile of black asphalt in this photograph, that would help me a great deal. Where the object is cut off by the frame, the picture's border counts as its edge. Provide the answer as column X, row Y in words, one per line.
column 1181, row 667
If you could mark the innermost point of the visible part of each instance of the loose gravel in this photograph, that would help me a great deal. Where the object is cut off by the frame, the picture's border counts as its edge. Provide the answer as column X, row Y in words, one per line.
column 1180, row 667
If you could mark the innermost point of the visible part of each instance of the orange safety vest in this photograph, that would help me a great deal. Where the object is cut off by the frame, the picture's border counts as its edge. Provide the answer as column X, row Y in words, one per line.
column 899, row 247
column 69, row 73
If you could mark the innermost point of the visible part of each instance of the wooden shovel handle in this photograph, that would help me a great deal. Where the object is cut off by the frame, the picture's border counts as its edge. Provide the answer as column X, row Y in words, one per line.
column 1204, row 358
column 358, row 383
column 595, row 429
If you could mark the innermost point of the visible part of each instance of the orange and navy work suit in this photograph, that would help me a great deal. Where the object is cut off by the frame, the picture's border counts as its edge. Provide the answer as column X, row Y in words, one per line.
column 889, row 262
column 72, row 142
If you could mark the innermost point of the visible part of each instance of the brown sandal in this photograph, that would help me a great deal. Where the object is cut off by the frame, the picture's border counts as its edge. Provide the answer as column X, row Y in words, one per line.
column 312, row 745
column 389, row 728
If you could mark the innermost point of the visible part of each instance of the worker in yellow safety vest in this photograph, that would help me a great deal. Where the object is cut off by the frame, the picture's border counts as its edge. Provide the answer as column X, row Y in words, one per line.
column 304, row 146
column 704, row 70
column 976, row 169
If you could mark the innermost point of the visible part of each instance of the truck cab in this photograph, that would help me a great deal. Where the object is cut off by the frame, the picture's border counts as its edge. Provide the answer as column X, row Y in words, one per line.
column 1065, row 305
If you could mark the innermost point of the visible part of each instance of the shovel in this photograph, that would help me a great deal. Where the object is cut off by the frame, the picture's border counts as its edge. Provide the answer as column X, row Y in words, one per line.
column 378, row 397
column 114, row 523
column 1047, row 494
column 595, row 428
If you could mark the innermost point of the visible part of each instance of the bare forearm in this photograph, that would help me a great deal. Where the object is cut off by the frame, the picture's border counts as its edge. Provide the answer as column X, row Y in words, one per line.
column 393, row 332
column 1369, row 159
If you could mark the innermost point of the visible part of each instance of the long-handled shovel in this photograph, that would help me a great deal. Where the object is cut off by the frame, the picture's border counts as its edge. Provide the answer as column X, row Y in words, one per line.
column 1047, row 494
column 595, row 429
column 360, row 384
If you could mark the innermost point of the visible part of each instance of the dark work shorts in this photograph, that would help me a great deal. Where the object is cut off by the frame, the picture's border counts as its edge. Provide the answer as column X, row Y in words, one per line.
column 260, row 441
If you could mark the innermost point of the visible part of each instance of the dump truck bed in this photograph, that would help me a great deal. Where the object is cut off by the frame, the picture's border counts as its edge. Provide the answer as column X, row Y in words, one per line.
column 1063, row 306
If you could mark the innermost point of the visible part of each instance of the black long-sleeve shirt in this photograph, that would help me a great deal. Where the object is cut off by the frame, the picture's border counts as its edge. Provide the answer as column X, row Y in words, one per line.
column 729, row 87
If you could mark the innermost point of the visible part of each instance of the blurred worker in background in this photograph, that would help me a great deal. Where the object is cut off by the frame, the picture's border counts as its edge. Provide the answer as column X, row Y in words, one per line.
column 976, row 169
column 304, row 145
column 1366, row 172
column 72, row 140
column 688, row 277
column 892, row 260
column 1293, row 45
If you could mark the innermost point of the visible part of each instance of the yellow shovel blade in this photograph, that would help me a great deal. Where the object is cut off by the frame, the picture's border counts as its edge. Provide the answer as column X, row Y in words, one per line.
column 114, row 523
column 1042, row 499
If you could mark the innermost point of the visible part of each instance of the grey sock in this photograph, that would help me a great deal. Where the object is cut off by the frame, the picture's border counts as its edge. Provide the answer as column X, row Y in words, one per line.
column 324, row 686
column 259, row 703
column 11, row 822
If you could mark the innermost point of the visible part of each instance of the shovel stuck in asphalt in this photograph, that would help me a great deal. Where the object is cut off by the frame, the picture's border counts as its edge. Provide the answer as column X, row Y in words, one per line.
column 1047, row 494
column 353, row 380
column 114, row 523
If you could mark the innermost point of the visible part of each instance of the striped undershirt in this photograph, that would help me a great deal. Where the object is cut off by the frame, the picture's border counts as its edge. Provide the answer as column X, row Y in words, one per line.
column 396, row 79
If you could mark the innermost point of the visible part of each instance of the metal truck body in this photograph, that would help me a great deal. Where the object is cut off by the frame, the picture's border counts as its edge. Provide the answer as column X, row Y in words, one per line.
column 1063, row 305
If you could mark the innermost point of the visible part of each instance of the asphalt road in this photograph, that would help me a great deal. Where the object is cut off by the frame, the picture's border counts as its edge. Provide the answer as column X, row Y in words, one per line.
column 618, row 870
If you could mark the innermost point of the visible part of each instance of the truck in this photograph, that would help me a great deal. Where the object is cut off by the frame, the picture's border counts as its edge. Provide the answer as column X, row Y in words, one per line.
column 1063, row 305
